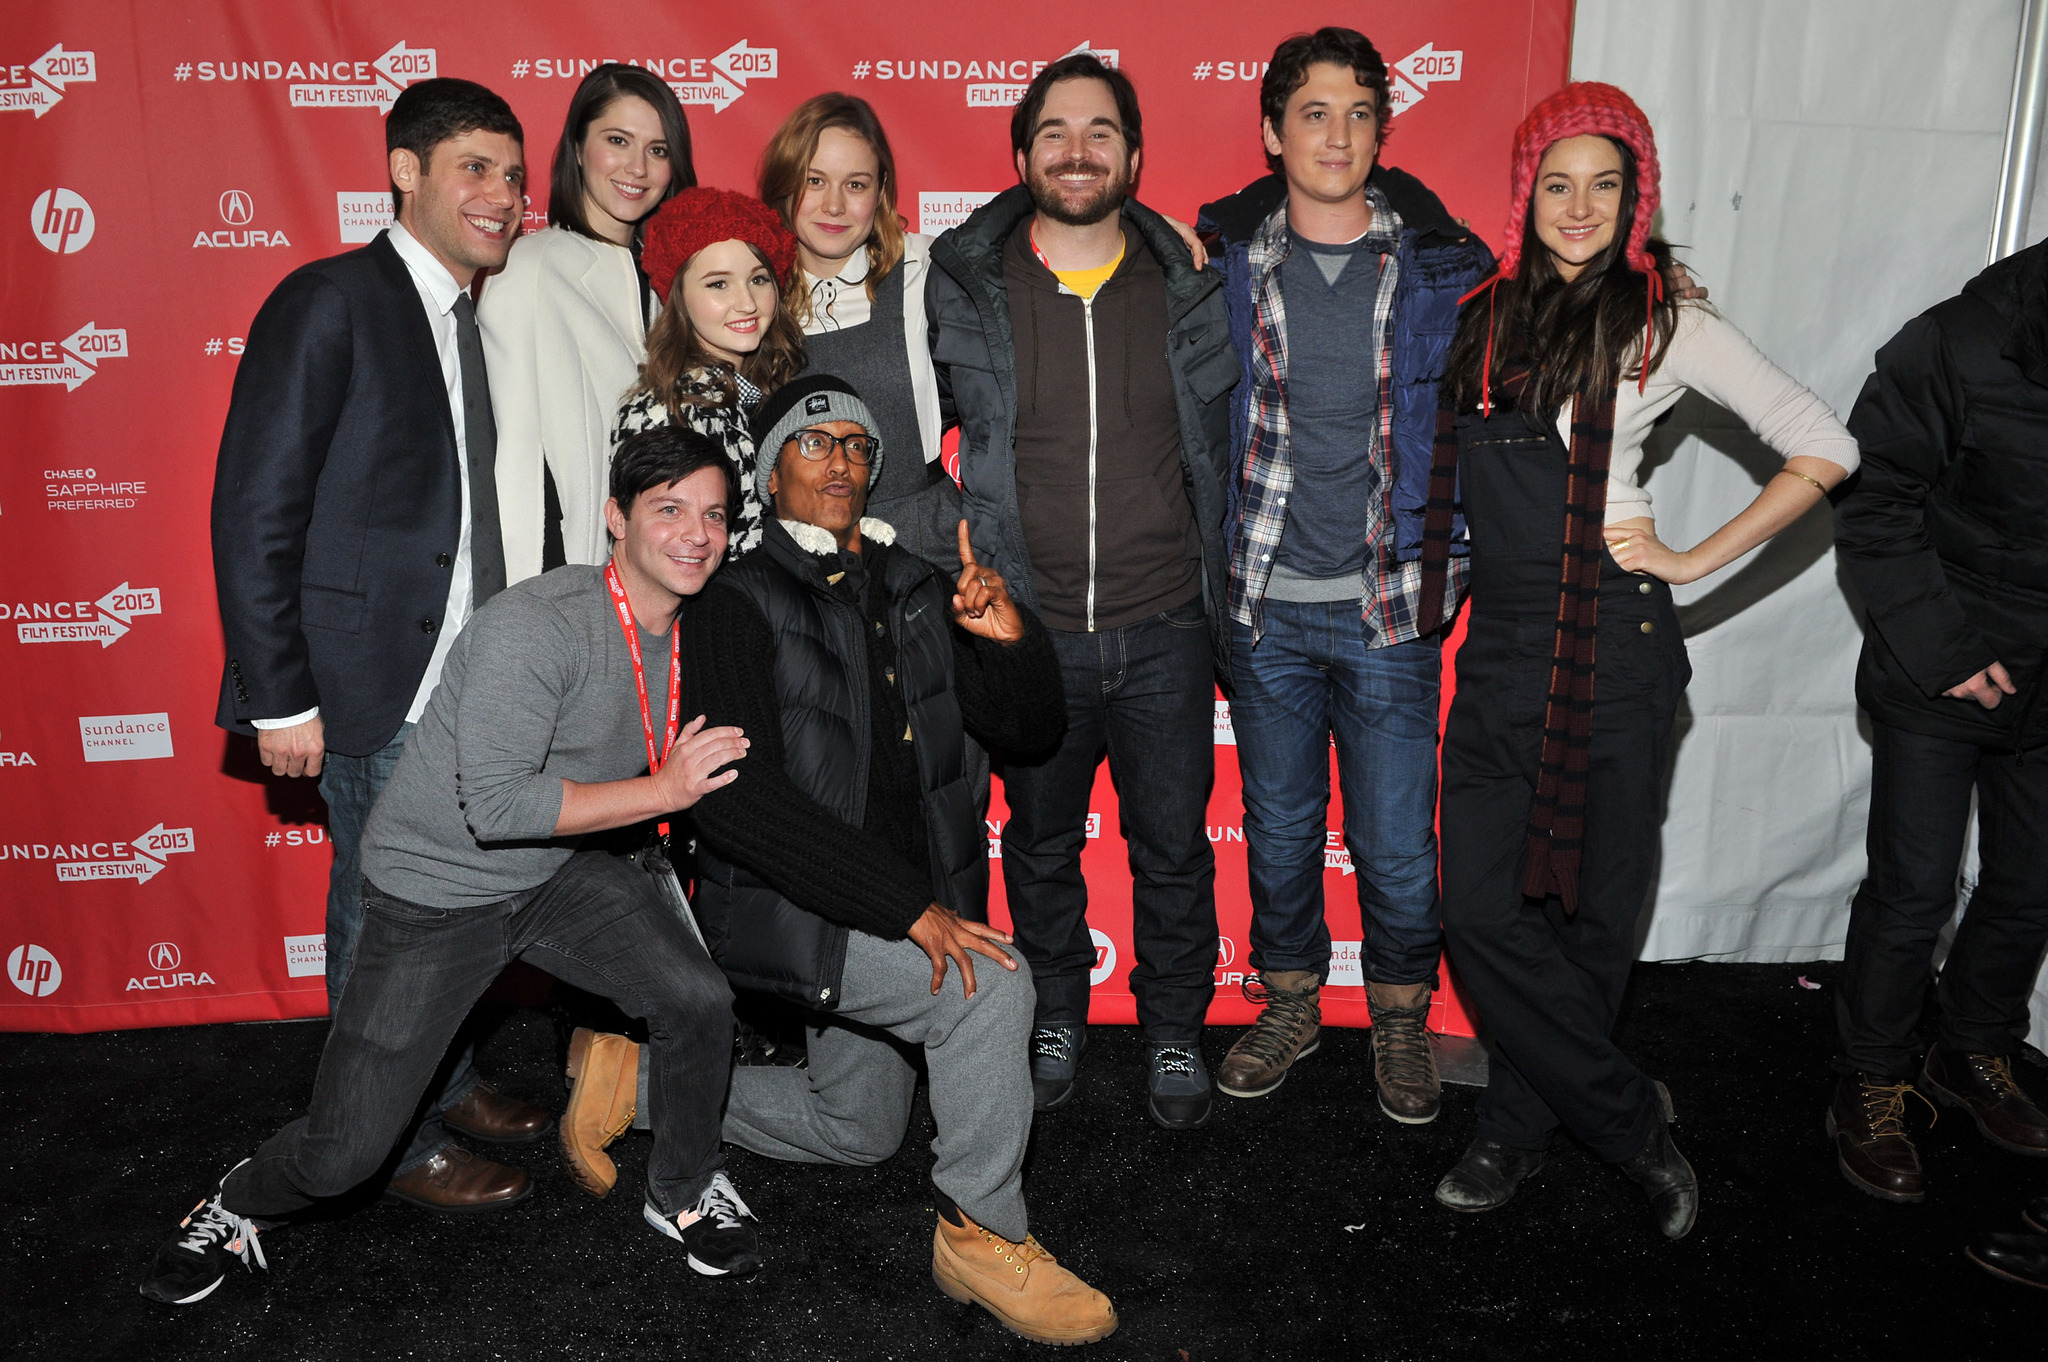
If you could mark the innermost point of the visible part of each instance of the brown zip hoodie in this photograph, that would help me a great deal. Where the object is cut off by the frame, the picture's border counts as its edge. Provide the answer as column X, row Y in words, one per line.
column 1100, row 488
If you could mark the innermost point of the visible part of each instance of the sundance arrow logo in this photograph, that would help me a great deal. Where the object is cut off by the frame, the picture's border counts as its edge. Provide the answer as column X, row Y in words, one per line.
column 731, row 70
column 1417, row 70
column 104, row 860
column 396, row 69
column 46, row 79
column 70, row 361
column 104, row 621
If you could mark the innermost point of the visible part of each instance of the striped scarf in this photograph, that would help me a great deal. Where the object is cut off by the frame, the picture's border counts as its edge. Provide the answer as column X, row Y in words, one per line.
column 1557, row 818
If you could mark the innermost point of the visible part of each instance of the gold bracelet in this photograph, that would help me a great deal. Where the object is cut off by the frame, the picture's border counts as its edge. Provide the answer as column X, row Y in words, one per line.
column 1803, row 478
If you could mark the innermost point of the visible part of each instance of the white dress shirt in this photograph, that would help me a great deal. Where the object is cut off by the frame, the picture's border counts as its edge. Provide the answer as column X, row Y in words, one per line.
column 438, row 292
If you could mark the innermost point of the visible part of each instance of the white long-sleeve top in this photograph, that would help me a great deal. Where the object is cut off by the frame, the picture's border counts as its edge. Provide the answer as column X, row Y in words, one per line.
column 1709, row 356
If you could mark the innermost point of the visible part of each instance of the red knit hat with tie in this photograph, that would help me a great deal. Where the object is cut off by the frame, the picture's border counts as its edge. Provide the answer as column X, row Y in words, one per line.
column 1581, row 108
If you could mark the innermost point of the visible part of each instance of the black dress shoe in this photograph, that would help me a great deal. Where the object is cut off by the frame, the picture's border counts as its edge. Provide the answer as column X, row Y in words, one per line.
column 1669, row 1182
column 1486, row 1177
column 2021, row 1258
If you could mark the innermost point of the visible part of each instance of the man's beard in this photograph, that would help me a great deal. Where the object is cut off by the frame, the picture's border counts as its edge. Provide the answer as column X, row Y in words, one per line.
column 1110, row 192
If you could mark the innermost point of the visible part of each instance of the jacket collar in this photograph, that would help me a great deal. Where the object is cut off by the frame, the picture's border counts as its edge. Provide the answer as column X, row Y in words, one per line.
column 974, row 249
column 810, row 554
column 2026, row 338
column 1240, row 216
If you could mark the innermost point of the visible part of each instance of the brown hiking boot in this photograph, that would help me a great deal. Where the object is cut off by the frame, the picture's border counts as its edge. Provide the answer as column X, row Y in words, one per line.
column 1020, row 1284
column 604, row 1090
column 1867, row 1122
column 1403, row 1057
column 1290, row 1027
column 1983, row 1085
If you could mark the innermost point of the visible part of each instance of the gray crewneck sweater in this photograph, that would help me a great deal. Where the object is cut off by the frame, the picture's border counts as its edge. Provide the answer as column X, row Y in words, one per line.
column 538, row 689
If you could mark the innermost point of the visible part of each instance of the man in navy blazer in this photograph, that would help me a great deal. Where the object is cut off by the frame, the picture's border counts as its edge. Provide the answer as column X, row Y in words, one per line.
column 355, row 529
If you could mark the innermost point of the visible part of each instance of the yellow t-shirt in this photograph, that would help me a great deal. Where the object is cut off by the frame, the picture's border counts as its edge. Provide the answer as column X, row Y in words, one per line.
column 1086, row 282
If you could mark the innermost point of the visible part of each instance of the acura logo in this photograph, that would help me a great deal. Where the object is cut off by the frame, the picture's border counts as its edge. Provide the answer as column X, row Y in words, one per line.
column 236, row 208
column 163, row 956
column 1226, row 952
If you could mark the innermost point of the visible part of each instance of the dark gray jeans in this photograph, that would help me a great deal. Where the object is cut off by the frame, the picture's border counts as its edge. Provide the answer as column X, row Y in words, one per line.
column 600, row 924
column 350, row 785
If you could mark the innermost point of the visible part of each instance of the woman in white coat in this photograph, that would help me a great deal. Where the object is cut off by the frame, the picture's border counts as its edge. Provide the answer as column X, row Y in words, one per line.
column 565, row 322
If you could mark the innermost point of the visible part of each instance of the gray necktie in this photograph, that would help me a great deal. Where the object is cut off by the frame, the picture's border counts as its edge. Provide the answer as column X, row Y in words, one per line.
column 480, row 433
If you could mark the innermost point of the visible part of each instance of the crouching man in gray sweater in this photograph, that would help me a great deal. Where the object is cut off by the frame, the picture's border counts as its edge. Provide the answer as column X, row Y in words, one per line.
column 554, row 704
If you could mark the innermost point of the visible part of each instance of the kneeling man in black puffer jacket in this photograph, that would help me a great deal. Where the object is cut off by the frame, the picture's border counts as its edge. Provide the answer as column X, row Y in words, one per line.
column 847, row 866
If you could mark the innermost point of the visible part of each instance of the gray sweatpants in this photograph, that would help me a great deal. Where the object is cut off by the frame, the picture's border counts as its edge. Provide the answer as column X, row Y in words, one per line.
column 852, row 1103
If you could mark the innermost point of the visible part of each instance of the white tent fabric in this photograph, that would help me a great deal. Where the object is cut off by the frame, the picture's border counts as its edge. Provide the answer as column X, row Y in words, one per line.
column 1831, row 166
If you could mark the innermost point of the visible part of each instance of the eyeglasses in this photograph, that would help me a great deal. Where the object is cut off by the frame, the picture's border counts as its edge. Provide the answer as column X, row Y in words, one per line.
column 816, row 444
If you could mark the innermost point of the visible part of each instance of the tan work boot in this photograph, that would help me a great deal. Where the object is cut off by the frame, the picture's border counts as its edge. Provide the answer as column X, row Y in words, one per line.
column 1290, row 1026
column 1020, row 1284
column 1403, row 1057
column 604, row 1090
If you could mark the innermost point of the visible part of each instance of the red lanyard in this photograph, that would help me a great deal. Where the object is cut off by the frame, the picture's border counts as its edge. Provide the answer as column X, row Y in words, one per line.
column 631, row 630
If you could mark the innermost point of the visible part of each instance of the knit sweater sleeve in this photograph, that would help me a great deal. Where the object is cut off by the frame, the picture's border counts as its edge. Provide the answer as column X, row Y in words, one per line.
column 1012, row 699
column 762, row 821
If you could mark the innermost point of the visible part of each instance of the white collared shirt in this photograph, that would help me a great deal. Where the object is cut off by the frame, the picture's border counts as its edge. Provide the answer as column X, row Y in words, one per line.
column 438, row 292
column 842, row 302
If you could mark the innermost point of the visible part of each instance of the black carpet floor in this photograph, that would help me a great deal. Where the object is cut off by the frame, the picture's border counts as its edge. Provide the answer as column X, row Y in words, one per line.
column 1297, row 1225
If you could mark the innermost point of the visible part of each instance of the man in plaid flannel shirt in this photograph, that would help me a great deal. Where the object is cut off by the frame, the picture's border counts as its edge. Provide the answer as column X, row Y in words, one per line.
column 1341, row 283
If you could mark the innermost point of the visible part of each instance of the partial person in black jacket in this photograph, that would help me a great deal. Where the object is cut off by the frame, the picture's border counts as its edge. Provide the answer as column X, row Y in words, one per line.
column 1085, row 355
column 843, row 869
column 355, row 529
column 1945, row 537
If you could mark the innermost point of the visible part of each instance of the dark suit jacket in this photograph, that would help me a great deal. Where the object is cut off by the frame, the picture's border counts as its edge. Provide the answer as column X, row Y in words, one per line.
column 337, row 503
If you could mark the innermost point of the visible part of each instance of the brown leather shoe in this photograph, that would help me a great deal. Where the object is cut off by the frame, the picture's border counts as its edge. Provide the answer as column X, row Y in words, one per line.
column 457, row 1180
column 1020, row 1284
column 1983, row 1085
column 1867, row 1122
column 1289, row 1028
column 485, row 1114
column 1403, row 1056
column 604, row 1090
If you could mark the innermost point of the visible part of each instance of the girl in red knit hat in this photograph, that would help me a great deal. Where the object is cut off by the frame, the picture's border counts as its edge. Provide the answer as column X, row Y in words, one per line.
column 1573, row 664
column 719, row 259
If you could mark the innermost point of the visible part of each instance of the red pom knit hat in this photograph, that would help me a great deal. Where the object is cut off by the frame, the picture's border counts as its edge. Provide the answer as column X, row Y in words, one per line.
column 700, row 217
column 1583, row 107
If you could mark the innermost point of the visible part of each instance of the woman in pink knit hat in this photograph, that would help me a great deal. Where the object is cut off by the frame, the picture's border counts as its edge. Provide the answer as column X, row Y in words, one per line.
column 1573, row 664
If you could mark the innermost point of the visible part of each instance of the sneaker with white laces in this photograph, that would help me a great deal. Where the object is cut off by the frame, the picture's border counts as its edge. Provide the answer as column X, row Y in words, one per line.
column 715, row 1232
column 194, row 1260
column 1179, row 1095
column 1055, row 1059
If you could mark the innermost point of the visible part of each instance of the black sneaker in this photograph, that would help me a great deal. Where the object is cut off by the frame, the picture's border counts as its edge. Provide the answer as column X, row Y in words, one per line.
column 1055, row 1058
column 717, row 1237
column 1178, row 1092
column 195, row 1258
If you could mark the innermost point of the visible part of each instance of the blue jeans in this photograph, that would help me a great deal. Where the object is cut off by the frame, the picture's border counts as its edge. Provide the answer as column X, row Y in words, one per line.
column 1146, row 695
column 350, row 785
column 1310, row 678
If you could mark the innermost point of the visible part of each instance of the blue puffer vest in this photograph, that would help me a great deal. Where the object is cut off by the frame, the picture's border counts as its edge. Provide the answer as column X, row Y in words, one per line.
column 1438, row 262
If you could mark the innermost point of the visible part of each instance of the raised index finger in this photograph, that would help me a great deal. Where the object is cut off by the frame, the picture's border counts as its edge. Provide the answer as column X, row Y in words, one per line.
column 966, row 546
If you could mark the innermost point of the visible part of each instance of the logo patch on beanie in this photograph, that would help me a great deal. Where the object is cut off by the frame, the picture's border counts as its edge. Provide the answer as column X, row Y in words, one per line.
column 817, row 404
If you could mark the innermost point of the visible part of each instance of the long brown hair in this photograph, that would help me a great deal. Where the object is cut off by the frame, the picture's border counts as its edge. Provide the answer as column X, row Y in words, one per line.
column 1571, row 334
column 788, row 158
column 674, row 349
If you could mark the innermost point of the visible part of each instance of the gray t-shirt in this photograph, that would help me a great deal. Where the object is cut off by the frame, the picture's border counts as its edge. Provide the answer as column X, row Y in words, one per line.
column 1332, row 409
column 538, row 688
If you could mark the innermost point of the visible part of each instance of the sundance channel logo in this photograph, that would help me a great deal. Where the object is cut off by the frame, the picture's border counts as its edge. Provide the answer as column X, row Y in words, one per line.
column 38, row 86
column 125, row 737
column 328, row 82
